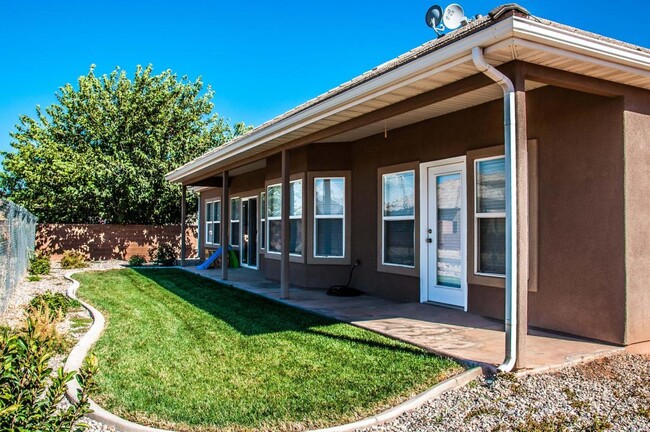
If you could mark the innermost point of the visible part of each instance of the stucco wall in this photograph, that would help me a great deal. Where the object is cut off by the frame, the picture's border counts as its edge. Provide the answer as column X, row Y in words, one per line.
column 581, row 280
column 637, row 220
column 581, row 213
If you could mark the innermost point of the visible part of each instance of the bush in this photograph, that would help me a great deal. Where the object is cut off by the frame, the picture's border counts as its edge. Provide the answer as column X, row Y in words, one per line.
column 30, row 392
column 57, row 303
column 33, row 278
column 165, row 254
column 39, row 264
column 73, row 259
column 137, row 260
column 44, row 322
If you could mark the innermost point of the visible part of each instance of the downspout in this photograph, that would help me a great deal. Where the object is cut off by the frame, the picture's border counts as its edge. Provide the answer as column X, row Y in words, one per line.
column 510, row 141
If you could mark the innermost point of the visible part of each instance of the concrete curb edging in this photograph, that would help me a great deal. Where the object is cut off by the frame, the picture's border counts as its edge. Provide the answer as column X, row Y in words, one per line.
column 411, row 404
column 75, row 361
column 80, row 351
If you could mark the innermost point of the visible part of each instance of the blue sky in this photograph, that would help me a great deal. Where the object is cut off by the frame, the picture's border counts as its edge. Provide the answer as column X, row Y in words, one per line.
column 261, row 58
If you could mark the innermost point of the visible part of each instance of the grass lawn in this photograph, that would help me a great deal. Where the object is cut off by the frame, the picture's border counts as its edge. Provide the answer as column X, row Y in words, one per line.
column 187, row 353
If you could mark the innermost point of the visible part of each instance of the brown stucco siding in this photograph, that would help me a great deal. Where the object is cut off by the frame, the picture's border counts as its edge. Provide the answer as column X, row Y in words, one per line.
column 440, row 138
column 581, row 272
column 637, row 216
column 581, row 277
column 581, row 280
column 316, row 157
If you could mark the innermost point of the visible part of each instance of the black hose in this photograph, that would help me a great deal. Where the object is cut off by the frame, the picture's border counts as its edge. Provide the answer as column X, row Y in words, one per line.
column 345, row 290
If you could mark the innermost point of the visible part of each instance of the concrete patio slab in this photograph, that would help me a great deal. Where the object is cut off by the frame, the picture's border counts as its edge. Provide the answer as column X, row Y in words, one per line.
column 467, row 337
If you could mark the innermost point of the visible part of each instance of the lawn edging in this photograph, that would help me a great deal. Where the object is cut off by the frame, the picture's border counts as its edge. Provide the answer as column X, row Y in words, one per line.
column 75, row 361
column 434, row 392
column 79, row 352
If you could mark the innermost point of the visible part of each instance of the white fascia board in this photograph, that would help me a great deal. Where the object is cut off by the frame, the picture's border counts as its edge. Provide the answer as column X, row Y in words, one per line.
column 519, row 42
column 412, row 71
column 545, row 34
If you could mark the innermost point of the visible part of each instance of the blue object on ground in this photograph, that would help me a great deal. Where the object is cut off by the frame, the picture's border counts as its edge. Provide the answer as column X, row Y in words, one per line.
column 214, row 256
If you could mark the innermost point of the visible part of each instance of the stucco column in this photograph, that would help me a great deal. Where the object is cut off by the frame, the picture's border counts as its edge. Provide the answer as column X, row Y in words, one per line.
column 285, row 230
column 225, row 226
column 522, row 219
column 183, row 223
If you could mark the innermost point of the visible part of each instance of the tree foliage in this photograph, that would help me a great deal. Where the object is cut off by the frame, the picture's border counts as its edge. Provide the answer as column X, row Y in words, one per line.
column 101, row 152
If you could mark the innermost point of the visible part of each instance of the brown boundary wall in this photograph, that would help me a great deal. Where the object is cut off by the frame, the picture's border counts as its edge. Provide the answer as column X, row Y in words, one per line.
column 104, row 242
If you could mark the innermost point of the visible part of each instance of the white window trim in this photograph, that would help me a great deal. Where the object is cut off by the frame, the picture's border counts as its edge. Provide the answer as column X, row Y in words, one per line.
column 385, row 218
column 291, row 217
column 477, row 216
column 262, row 218
column 234, row 221
column 342, row 217
column 211, row 222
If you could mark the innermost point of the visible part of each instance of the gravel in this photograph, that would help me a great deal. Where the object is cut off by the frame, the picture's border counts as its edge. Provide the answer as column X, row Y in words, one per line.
column 611, row 393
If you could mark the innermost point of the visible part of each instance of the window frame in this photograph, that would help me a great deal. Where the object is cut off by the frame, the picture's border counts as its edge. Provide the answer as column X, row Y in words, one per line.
column 262, row 221
column 318, row 217
column 382, row 265
column 298, row 258
column 477, row 216
column 312, row 258
column 238, row 221
column 532, row 149
column 211, row 222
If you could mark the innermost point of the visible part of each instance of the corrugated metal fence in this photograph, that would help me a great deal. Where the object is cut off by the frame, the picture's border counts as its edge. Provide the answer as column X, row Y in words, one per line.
column 17, row 234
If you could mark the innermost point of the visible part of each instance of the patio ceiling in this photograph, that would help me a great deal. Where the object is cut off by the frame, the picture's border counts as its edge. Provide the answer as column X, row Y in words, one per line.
column 356, row 109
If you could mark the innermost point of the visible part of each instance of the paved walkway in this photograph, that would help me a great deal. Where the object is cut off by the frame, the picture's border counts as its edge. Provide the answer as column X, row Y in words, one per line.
column 449, row 332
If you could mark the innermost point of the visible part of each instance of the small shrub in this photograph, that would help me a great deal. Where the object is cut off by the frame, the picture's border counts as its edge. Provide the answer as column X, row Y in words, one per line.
column 137, row 260
column 31, row 393
column 73, row 259
column 39, row 264
column 165, row 254
column 43, row 323
column 33, row 278
column 57, row 303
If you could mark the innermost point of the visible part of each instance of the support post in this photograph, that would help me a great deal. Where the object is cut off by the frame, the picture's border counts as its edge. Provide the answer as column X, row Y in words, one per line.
column 522, row 219
column 225, row 226
column 183, row 223
column 285, row 230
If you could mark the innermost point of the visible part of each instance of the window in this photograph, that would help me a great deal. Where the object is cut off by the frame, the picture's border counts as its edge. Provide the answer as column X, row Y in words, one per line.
column 262, row 220
column 398, row 219
column 274, row 217
column 234, row 221
column 213, row 222
column 490, row 216
column 329, row 217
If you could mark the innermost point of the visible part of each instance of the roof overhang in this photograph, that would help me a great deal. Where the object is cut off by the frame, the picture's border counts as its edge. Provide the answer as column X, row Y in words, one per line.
column 515, row 37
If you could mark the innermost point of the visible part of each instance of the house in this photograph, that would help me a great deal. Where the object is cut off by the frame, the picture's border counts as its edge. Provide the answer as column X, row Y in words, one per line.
column 503, row 169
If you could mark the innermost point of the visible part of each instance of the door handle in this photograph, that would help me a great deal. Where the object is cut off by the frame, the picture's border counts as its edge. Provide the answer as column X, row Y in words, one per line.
column 429, row 240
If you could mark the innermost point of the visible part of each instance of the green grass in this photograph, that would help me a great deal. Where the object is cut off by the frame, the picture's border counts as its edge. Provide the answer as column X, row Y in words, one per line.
column 184, row 352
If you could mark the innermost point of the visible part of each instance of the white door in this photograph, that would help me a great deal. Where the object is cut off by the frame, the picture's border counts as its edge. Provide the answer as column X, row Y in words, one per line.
column 444, row 222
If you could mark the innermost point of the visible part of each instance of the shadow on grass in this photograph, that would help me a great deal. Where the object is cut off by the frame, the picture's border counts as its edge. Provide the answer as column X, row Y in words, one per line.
column 253, row 315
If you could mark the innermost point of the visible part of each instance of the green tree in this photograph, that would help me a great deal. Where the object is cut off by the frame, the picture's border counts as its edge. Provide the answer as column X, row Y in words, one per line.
column 100, row 154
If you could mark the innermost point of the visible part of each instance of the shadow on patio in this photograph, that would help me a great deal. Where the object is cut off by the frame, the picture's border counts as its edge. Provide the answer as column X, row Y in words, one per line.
column 448, row 332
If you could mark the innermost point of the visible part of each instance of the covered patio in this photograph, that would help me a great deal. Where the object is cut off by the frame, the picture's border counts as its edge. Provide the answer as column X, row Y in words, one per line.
column 467, row 337
column 516, row 114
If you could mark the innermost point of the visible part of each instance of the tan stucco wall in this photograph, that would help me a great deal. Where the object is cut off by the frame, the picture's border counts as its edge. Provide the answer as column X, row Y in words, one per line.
column 637, row 217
